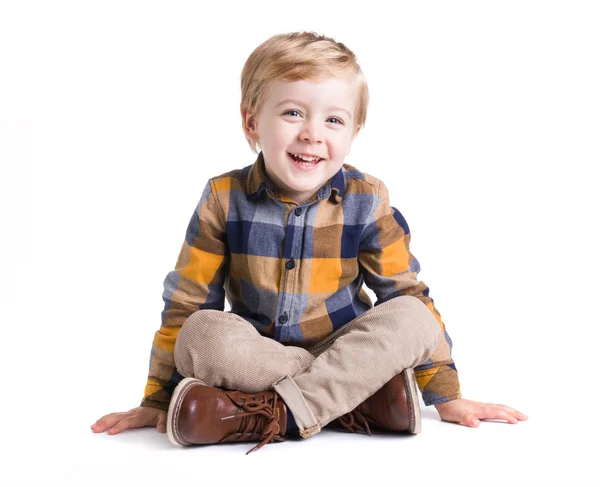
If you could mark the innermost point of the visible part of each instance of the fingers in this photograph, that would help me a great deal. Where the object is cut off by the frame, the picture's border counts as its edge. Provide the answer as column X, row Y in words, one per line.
column 126, row 423
column 470, row 419
column 162, row 422
column 106, row 422
column 494, row 412
column 135, row 418
column 520, row 416
column 500, row 411
column 470, row 413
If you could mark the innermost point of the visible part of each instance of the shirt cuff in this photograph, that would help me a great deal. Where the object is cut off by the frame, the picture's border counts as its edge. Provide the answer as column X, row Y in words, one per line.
column 438, row 384
column 149, row 403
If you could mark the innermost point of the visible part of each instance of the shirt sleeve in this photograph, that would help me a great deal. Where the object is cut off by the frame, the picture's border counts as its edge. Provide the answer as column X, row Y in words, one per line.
column 196, row 283
column 390, row 270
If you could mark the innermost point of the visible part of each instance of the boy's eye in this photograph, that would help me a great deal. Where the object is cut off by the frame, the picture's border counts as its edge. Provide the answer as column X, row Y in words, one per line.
column 291, row 112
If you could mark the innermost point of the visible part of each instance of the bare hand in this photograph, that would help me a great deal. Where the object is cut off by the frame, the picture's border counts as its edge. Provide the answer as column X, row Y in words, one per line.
column 134, row 418
column 468, row 413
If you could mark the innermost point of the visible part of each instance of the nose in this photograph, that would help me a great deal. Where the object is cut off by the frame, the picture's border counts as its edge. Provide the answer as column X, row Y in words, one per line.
column 311, row 132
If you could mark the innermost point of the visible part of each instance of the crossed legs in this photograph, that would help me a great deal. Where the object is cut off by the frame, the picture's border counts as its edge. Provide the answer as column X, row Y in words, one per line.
column 318, row 384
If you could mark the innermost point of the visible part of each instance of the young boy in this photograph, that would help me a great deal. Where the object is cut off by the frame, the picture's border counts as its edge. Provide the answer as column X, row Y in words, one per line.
column 289, row 241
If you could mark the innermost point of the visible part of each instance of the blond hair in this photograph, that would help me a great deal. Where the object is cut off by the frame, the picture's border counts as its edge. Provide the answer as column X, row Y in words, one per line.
column 299, row 56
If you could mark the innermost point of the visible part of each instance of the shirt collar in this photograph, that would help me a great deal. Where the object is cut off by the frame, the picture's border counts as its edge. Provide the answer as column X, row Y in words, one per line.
column 258, row 183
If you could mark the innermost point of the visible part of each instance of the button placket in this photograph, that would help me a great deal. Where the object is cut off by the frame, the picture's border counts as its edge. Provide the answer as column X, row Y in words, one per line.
column 290, row 264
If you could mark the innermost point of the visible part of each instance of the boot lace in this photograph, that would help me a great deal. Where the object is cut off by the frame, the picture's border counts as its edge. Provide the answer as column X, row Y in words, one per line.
column 266, row 419
column 351, row 421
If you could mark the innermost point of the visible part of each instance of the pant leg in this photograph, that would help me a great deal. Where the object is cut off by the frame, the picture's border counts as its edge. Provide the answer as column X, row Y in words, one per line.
column 226, row 351
column 362, row 356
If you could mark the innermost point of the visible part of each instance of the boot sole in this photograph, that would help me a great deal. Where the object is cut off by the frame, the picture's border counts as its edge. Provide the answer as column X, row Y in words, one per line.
column 174, row 406
column 412, row 399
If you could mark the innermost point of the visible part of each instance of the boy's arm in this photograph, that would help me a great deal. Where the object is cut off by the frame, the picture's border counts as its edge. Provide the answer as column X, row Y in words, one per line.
column 390, row 270
column 196, row 283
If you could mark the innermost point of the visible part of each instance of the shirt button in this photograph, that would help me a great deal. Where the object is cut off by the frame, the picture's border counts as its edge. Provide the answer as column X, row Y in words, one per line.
column 283, row 318
column 290, row 264
column 298, row 211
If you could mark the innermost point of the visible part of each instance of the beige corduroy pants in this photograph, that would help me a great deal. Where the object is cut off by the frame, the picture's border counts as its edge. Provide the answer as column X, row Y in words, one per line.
column 320, row 383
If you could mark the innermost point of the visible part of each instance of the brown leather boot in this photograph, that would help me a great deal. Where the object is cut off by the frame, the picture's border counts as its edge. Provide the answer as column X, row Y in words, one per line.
column 202, row 415
column 394, row 407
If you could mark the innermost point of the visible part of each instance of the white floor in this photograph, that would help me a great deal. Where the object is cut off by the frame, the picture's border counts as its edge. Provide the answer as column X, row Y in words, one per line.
column 51, row 444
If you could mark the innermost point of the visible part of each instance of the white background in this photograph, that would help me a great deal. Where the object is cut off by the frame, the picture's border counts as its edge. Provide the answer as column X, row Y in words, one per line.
column 484, row 123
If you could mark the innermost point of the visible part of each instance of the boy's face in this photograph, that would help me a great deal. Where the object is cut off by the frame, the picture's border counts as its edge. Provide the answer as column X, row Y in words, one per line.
column 304, row 118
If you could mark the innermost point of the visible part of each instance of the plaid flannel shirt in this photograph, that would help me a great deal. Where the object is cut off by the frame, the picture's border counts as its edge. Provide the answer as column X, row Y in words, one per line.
column 296, row 272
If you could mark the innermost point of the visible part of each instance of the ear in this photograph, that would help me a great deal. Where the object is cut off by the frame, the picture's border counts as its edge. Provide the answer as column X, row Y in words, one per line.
column 249, row 124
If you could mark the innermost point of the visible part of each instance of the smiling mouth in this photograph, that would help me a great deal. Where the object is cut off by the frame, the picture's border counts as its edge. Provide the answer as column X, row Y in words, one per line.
column 305, row 162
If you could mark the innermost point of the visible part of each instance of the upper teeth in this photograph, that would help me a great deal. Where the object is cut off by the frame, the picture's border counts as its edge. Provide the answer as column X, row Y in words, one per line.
column 306, row 158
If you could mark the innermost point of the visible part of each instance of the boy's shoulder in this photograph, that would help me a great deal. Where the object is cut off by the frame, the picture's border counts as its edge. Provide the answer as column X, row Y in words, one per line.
column 240, row 181
column 238, row 175
column 358, row 181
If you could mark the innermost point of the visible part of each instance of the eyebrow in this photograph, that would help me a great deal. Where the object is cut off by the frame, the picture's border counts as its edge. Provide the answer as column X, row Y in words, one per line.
column 296, row 102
